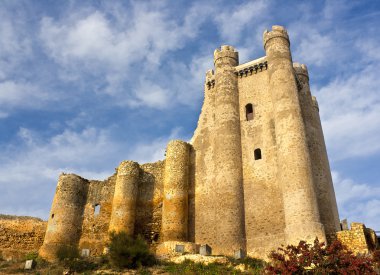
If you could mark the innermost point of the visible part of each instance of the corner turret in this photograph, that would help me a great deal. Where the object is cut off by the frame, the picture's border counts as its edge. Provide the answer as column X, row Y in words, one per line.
column 294, row 165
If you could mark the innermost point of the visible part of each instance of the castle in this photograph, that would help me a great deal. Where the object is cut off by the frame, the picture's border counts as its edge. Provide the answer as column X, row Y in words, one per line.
column 254, row 176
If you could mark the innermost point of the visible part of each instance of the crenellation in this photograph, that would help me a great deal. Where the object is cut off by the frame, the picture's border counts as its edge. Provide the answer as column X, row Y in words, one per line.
column 252, row 69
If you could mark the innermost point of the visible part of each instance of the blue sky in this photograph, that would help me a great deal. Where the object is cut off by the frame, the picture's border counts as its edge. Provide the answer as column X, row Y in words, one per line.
column 87, row 84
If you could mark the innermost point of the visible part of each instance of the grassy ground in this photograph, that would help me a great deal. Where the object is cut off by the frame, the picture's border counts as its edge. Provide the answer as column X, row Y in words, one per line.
column 251, row 266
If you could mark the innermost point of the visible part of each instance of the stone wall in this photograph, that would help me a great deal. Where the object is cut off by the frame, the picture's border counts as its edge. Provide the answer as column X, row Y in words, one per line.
column 358, row 239
column 20, row 235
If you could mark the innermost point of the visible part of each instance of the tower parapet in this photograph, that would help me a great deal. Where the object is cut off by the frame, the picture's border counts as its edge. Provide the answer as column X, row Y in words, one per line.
column 66, row 215
column 295, row 171
column 227, row 51
column 175, row 201
column 123, row 213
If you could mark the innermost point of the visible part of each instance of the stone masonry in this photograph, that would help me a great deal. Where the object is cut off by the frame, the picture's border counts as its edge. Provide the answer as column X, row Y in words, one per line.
column 20, row 235
column 254, row 176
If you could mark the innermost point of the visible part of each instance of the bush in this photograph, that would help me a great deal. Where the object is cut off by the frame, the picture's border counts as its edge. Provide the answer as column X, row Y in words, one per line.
column 31, row 256
column 376, row 257
column 67, row 252
column 127, row 252
column 318, row 259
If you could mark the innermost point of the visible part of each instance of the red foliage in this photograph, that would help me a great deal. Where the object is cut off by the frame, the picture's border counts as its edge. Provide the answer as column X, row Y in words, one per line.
column 376, row 257
column 318, row 259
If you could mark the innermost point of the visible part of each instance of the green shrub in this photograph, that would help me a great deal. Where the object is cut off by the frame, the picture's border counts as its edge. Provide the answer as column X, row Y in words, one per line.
column 67, row 252
column 318, row 259
column 31, row 256
column 78, row 265
column 190, row 267
column 127, row 252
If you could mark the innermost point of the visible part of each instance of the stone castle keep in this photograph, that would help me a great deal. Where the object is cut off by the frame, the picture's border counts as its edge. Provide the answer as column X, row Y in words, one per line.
column 254, row 176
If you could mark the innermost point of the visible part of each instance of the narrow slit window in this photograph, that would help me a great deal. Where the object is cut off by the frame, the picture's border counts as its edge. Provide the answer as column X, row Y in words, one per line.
column 96, row 209
column 257, row 153
column 249, row 111
column 52, row 216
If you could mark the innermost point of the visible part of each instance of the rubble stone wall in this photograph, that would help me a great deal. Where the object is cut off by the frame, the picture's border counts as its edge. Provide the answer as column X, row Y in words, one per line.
column 358, row 239
column 20, row 235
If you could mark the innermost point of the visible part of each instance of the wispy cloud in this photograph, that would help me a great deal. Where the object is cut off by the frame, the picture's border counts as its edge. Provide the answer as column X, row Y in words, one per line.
column 231, row 21
column 350, row 110
column 359, row 202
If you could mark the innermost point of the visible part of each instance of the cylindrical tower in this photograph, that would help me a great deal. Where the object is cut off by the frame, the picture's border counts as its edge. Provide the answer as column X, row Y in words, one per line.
column 294, row 167
column 318, row 155
column 66, row 215
column 125, row 197
column 175, row 202
column 227, row 156
column 328, row 187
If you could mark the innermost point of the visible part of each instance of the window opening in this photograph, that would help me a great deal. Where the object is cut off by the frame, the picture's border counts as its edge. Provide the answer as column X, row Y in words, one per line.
column 257, row 153
column 52, row 215
column 97, row 209
column 249, row 111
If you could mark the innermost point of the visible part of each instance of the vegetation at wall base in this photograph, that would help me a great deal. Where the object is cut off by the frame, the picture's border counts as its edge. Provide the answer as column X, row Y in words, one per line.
column 127, row 252
column 318, row 259
column 68, row 257
column 190, row 267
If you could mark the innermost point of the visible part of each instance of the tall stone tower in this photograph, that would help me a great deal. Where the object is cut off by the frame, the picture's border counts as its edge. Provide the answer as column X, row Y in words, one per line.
column 254, row 176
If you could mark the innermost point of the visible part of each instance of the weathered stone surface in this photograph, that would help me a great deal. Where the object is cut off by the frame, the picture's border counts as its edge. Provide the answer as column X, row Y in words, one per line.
column 358, row 239
column 20, row 235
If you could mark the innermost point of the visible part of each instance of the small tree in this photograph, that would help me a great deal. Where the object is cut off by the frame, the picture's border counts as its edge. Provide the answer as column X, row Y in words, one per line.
column 318, row 259
column 127, row 252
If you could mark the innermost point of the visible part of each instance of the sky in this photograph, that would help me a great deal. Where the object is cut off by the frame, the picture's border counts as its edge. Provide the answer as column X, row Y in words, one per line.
column 87, row 84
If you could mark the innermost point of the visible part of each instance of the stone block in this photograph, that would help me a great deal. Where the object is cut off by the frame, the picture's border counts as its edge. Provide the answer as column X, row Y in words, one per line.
column 85, row 252
column 239, row 254
column 30, row 264
column 205, row 250
column 179, row 248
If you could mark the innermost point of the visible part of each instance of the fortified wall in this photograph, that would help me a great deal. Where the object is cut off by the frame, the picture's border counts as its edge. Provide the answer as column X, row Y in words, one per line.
column 20, row 235
column 254, row 176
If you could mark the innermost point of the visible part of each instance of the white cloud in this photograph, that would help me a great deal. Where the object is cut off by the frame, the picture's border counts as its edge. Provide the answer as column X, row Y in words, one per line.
column 230, row 24
column 155, row 150
column 23, row 94
column 96, row 40
column 15, row 42
column 358, row 202
column 315, row 48
column 350, row 108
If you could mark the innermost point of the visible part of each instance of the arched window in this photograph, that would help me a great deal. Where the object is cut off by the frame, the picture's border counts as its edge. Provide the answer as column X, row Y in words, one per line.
column 96, row 209
column 249, row 111
column 257, row 153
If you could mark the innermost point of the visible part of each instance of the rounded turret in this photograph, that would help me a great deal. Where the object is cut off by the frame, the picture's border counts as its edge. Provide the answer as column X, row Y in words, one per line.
column 66, row 215
column 301, row 71
column 227, row 156
column 175, row 202
column 295, row 171
column 125, row 197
